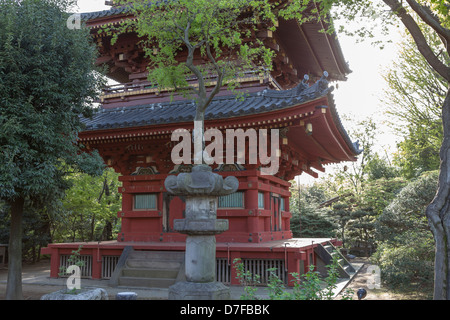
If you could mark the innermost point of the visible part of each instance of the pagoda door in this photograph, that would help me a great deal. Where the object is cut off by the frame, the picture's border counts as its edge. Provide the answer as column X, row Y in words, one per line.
column 166, row 212
column 173, row 208
column 275, row 207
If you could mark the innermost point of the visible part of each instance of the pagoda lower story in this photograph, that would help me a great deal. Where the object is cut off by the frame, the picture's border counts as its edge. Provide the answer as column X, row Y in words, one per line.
column 259, row 230
column 288, row 258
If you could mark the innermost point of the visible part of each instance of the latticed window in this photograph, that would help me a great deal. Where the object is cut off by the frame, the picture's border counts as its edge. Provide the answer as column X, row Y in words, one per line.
column 261, row 200
column 234, row 200
column 145, row 201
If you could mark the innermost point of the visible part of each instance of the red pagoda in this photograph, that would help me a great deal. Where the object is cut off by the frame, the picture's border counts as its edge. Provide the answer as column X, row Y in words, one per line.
column 132, row 132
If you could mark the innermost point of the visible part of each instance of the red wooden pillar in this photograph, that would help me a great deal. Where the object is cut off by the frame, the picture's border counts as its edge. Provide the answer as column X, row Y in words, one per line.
column 310, row 258
column 127, row 198
column 287, row 226
column 54, row 263
column 96, row 264
column 268, row 206
column 293, row 266
column 160, row 205
column 251, row 205
column 287, row 220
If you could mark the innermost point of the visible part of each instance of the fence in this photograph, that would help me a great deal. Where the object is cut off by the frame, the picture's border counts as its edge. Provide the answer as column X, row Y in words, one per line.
column 86, row 269
column 258, row 267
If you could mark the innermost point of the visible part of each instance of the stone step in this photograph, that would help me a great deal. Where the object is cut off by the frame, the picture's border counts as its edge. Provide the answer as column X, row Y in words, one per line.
column 152, row 264
column 146, row 282
column 150, row 273
column 157, row 255
column 349, row 269
column 159, row 269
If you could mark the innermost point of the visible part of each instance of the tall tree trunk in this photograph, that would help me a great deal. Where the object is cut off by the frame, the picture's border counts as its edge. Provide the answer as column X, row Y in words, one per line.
column 199, row 133
column 14, row 286
column 438, row 214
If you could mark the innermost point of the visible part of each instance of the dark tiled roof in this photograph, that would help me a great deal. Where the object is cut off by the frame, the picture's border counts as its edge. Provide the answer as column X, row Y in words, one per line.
column 220, row 108
column 224, row 107
column 103, row 14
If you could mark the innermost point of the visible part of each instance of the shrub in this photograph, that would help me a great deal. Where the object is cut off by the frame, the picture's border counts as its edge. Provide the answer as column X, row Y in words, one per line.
column 405, row 251
column 309, row 286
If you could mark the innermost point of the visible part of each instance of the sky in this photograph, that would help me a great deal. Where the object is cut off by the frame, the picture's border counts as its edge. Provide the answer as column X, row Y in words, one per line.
column 358, row 97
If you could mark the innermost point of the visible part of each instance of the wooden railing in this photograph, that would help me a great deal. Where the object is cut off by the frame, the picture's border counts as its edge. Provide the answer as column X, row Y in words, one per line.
column 147, row 87
column 109, row 264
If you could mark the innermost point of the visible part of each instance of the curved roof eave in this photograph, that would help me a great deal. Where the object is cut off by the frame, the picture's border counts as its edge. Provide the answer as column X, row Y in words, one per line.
column 225, row 107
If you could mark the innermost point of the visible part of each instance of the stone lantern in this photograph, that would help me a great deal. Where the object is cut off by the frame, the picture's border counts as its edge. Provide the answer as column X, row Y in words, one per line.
column 201, row 188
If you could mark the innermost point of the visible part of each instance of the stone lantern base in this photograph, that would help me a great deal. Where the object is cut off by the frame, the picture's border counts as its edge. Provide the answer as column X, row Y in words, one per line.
column 199, row 291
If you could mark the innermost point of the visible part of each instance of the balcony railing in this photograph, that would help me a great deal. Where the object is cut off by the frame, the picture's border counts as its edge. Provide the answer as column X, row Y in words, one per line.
column 142, row 87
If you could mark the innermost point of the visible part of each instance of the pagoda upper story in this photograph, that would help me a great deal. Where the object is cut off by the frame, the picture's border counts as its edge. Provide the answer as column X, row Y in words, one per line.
column 300, row 49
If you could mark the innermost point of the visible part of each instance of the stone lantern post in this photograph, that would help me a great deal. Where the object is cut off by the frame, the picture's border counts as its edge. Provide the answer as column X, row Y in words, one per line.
column 201, row 189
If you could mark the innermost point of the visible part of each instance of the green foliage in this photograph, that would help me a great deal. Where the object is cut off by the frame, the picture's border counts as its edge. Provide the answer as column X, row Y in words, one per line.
column 356, row 217
column 248, row 280
column 367, row 20
column 347, row 204
column 380, row 192
column 275, row 286
column 89, row 209
column 73, row 260
column 408, row 266
column 354, row 177
column 407, row 211
column 211, row 28
column 405, row 252
column 366, row 211
column 359, row 192
column 415, row 95
column 342, row 216
column 378, row 167
column 36, row 229
column 219, row 32
column 308, row 218
column 46, row 83
column 313, row 225
column 309, row 286
column 86, row 212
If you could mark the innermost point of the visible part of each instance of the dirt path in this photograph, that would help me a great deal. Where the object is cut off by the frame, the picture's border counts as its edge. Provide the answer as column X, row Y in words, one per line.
column 30, row 292
column 35, row 291
column 361, row 281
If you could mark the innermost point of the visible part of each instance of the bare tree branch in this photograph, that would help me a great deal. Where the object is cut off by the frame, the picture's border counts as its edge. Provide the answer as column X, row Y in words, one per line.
column 419, row 39
column 220, row 76
column 192, row 67
column 429, row 18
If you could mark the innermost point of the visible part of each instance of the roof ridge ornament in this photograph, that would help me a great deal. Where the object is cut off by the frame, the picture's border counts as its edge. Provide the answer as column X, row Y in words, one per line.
column 322, row 85
column 323, row 82
column 303, row 85
column 305, row 79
